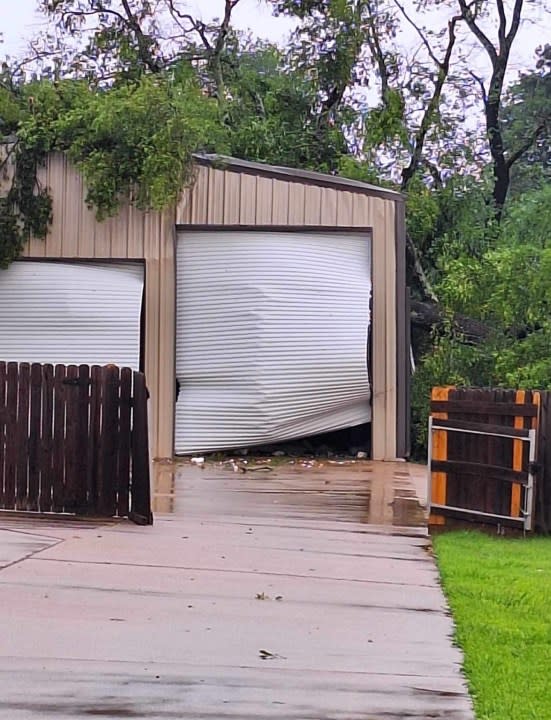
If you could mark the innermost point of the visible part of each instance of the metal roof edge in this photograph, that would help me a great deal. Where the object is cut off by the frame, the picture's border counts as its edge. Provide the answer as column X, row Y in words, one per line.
column 294, row 175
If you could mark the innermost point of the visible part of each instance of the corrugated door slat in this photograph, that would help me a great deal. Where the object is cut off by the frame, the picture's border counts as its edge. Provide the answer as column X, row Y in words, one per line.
column 271, row 336
column 61, row 312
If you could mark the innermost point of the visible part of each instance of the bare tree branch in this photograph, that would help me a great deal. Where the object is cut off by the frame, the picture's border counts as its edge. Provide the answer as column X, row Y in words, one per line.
column 431, row 108
column 480, row 82
column 418, row 31
column 526, row 145
column 12, row 147
column 88, row 13
column 377, row 52
column 144, row 42
column 470, row 19
column 502, row 29
column 420, row 270
column 493, row 98
column 515, row 23
column 197, row 26
column 434, row 173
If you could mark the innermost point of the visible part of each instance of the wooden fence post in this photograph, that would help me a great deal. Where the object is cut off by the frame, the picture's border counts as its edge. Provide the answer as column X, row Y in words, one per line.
column 543, row 482
column 439, row 452
column 140, row 509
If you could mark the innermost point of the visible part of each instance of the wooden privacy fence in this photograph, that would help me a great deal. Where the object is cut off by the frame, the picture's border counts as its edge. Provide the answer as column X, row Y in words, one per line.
column 74, row 440
column 489, row 457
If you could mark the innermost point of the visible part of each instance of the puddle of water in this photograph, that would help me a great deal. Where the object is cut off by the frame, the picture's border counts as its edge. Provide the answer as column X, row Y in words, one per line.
column 363, row 491
column 164, row 487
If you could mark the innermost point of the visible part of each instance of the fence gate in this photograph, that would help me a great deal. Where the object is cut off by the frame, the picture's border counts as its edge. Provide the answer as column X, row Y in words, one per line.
column 482, row 456
column 74, row 440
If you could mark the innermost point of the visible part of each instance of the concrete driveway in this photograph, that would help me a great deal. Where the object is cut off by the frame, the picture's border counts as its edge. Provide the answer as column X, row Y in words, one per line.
column 263, row 594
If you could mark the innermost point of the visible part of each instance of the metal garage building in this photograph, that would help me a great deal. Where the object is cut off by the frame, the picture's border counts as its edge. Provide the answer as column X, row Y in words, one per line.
column 277, row 297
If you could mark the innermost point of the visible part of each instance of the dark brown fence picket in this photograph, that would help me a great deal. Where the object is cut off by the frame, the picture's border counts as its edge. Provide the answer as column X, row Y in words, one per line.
column 59, row 445
column 141, row 498
column 543, row 488
column 83, row 437
column 22, row 437
column 71, row 439
column 124, row 434
column 47, row 440
column 74, row 440
column 107, row 487
column 34, row 437
column 3, row 423
column 10, row 461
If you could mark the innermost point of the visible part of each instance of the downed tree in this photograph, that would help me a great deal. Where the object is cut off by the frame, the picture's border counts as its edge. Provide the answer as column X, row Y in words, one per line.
column 429, row 315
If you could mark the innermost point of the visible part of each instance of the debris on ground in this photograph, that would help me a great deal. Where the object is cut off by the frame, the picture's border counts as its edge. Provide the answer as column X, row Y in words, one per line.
column 267, row 655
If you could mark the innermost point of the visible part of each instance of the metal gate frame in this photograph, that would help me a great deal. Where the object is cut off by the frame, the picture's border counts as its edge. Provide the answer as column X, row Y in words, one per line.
column 527, row 511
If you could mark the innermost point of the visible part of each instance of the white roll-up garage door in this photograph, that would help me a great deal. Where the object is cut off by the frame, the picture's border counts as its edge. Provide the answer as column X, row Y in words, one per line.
column 71, row 313
column 272, row 334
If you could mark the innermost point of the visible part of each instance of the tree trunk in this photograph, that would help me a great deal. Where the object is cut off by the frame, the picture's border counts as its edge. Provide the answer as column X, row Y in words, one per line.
column 428, row 315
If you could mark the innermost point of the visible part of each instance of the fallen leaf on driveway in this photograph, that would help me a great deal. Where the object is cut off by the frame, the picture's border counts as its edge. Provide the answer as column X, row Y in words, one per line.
column 267, row 655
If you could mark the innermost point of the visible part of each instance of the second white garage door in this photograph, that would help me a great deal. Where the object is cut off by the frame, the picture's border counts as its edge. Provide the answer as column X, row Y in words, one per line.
column 71, row 313
column 272, row 335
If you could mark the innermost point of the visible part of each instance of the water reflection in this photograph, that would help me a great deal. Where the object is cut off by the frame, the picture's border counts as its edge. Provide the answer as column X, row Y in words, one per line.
column 376, row 493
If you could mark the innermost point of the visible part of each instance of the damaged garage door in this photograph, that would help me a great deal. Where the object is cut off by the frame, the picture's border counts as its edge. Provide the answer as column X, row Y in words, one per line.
column 272, row 336
column 71, row 313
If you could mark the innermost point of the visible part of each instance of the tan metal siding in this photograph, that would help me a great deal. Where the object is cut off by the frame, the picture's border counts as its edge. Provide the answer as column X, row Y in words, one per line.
column 280, row 202
column 200, row 196
column 247, row 203
column 232, row 200
column 362, row 211
column 215, row 195
column 296, row 204
column 384, row 330
column 132, row 234
column 264, row 199
column 328, row 210
column 345, row 208
column 312, row 205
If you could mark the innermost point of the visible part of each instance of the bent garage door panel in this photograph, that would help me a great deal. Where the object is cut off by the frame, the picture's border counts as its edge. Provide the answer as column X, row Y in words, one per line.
column 72, row 313
column 271, row 335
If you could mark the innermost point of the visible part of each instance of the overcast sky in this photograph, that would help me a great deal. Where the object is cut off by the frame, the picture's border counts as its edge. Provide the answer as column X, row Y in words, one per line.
column 20, row 22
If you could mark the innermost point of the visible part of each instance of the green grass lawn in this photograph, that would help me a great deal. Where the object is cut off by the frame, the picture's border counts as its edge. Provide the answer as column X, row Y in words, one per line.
column 499, row 591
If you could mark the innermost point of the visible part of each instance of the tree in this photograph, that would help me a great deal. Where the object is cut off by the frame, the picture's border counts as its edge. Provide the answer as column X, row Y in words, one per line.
column 507, row 289
column 25, row 206
column 108, row 39
column 272, row 114
column 132, row 141
column 351, row 45
column 499, row 54
column 527, row 115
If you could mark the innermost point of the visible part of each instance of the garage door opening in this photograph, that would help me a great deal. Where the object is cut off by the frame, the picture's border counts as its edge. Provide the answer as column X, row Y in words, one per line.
column 71, row 313
column 272, row 336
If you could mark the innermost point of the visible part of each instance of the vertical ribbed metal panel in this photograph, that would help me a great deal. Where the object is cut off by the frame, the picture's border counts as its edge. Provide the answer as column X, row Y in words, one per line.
column 71, row 313
column 271, row 336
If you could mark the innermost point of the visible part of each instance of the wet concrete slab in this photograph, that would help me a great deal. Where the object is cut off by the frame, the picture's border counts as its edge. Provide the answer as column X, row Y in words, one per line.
column 17, row 544
column 261, row 595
